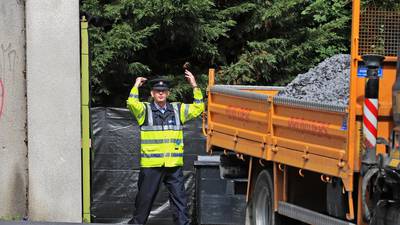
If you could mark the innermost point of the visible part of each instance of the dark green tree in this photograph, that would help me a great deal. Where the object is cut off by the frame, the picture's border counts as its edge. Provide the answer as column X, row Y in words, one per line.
column 382, row 4
column 250, row 41
column 130, row 38
column 288, row 38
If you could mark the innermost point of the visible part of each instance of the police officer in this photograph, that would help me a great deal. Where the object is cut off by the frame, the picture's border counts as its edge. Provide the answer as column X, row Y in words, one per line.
column 162, row 146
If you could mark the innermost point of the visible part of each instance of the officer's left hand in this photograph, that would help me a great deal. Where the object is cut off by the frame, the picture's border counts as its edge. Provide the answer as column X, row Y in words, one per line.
column 189, row 76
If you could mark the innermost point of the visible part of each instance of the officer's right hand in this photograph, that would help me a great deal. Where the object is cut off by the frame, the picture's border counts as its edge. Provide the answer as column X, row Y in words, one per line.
column 140, row 81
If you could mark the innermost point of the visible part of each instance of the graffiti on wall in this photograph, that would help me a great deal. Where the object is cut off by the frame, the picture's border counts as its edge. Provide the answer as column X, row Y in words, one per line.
column 8, row 60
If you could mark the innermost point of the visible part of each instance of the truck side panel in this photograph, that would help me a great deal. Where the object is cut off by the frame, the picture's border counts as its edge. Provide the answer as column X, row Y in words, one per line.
column 238, row 120
column 310, row 138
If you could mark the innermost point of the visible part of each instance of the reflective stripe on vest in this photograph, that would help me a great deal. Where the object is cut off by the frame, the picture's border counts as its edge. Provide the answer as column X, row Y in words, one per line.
column 149, row 115
column 161, row 141
column 165, row 127
column 186, row 111
column 133, row 96
column 176, row 112
column 162, row 155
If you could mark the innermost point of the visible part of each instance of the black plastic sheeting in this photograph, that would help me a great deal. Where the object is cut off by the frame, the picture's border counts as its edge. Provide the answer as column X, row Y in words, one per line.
column 115, row 167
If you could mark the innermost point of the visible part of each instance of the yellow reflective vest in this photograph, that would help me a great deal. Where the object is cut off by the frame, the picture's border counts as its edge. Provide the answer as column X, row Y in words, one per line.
column 162, row 138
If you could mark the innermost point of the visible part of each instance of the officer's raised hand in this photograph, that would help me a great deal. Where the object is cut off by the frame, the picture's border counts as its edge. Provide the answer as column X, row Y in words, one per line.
column 189, row 76
column 140, row 81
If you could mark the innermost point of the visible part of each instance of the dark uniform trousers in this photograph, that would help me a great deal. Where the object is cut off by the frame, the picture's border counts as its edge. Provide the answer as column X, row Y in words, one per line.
column 148, row 185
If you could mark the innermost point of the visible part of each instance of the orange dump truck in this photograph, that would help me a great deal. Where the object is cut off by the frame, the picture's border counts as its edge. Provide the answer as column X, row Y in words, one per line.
column 314, row 163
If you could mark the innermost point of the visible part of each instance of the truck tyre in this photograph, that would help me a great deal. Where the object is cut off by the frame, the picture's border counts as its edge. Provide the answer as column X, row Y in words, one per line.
column 261, row 206
column 387, row 213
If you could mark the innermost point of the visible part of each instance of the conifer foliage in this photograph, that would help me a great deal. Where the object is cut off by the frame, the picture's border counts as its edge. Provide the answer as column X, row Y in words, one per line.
column 250, row 41
column 288, row 38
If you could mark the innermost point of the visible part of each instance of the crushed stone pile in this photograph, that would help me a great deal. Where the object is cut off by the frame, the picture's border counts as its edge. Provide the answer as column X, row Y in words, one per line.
column 327, row 83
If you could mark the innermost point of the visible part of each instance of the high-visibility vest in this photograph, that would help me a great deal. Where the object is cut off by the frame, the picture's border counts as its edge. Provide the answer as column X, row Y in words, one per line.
column 161, row 144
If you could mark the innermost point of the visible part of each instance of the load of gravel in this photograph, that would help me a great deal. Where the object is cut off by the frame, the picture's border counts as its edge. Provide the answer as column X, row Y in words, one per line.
column 327, row 83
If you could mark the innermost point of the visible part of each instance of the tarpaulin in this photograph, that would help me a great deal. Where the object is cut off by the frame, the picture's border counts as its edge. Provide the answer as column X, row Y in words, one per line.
column 115, row 167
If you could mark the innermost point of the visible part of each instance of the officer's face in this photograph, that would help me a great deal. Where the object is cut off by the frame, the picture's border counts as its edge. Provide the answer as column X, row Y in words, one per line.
column 160, row 96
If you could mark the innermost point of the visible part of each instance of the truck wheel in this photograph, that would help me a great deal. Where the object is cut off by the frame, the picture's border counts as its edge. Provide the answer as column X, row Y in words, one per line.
column 387, row 213
column 261, row 206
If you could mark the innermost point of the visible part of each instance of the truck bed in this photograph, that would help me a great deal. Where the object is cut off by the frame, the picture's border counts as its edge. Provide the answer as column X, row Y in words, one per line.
column 255, row 122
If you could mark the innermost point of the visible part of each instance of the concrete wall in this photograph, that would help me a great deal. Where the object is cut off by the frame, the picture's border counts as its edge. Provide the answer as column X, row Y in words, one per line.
column 13, row 150
column 53, row 95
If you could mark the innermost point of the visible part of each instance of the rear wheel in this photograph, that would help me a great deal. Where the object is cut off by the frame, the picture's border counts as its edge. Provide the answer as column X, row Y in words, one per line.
column 386, row 212
column 261, row 206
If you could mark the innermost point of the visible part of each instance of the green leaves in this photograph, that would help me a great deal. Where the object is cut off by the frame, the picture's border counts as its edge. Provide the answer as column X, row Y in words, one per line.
column 138, row 68
column 295, row 36
column 130, row 38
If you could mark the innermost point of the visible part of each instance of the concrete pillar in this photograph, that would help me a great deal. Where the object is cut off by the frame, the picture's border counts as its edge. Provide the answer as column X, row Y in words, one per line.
column 13, row 150
column 53, row 95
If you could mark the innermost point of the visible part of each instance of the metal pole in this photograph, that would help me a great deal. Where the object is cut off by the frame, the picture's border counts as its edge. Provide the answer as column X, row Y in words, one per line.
column 85, row 121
